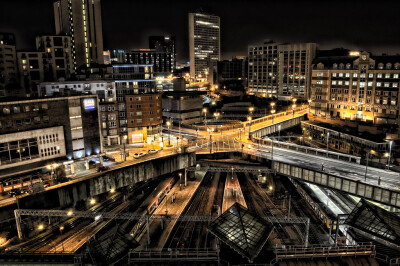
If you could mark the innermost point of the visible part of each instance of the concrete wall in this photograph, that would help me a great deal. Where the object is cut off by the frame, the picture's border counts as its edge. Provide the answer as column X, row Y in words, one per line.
column 66, row 196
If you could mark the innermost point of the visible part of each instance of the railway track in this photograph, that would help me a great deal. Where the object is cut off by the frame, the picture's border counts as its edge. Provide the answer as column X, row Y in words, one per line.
column 51, row 239
column 187, row 234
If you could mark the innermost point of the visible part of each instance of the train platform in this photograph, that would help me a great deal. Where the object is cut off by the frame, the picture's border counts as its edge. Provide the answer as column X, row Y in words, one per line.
column 232, row 193
column 158, row 235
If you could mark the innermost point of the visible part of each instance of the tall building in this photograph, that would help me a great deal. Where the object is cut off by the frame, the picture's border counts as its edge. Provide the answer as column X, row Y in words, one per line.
column 163, row 62
column 81, row 19
column 164, row 44
column 280, row 70
column 358, row 86
column 51, row 61
column 8, row 66
column 204, row 43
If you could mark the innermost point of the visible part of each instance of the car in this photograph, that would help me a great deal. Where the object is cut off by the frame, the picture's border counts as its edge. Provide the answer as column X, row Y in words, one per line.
column 138, row 155
column 103, row 168
column 15, row 192
column 152, row 151
column 107, row 158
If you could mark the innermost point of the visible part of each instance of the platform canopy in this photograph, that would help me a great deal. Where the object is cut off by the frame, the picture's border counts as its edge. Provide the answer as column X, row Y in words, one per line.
column 376, row 221
column 242, row 230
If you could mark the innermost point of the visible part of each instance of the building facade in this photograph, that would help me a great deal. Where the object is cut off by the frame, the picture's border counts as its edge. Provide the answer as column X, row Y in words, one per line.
column 81, row 19
column 204, row 43
column 163, row 62
column 164, row 44
column 280, row 70
column 8, row 66
column 144, row 116
column 105, row 90
column 361, row 87
column 184, row 107
column 109, row 123
column 36, row 132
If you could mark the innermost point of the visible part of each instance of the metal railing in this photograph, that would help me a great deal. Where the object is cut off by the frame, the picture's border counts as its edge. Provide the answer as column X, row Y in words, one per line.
column 315, row 251
column 186, row 254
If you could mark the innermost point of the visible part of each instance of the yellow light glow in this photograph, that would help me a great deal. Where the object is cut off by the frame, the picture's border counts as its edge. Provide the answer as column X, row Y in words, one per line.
column 92, row 201
column 270, row 187
column 61, row 228
column 112, row 190
column 41, row 227
column 69, row 213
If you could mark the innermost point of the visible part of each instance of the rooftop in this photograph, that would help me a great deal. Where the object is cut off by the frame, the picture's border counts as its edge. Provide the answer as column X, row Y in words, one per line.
column 242, row 230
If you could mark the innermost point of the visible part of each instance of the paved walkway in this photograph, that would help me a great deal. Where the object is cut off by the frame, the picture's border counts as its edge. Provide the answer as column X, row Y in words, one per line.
column 233, row 193
column 158, row 236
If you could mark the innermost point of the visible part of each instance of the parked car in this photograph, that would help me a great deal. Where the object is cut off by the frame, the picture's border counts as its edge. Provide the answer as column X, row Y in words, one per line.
column 15, row 192
column 152, row 151
column 107, row 158
column 138, row 155
column 103, row 168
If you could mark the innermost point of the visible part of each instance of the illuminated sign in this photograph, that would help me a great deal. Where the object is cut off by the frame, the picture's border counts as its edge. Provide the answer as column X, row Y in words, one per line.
column 145, row 50
column 354, row 53
column 89, row 104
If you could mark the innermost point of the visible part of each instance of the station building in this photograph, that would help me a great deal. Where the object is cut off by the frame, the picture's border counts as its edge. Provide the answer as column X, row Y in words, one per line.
column 38, row 132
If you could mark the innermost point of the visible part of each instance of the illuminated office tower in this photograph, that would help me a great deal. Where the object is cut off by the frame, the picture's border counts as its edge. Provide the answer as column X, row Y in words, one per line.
column 204, row 43
column 81, row 19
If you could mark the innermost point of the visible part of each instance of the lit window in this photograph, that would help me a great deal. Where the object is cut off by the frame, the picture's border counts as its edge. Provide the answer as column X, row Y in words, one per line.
column 355, row 75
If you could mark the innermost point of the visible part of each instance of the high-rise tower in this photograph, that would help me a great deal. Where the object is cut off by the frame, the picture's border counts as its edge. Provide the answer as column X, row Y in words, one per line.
column 204, row 43
column 81, row 19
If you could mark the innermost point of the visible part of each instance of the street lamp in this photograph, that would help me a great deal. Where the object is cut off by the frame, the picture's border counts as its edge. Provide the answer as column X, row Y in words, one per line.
column 309, row 105
column 52, row 167
column 210, row 130
column 92, row 201
column 249, row 118
column 62, row 241
column 293, row 107
column 180, row 180
column 125, row 138
column 390, row 153
column 205, row 115
column 216, row 116
column 169, row 135
column 273, row 112
column 327, row 145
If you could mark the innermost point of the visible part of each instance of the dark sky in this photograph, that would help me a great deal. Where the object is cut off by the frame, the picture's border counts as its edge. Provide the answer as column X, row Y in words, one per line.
column 360, row 25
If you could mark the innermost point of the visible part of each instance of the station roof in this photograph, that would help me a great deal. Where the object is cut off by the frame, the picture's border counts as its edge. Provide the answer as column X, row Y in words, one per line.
column 242, row 230
column 376, row 221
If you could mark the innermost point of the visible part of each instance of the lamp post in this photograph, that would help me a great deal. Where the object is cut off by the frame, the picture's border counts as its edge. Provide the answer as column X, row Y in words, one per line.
column 327, row 144
column 125, row 137
column 52, row 167
column 293, row 107
column 309, row 105
column 249, row 118
column 273, row 112
column 169, row 130
column 210, row 130
column 390, row 153
column 279, row 130
column 366, row 167
column 180, row 181
column 205, row 115
column 216, row 116
column 62, row 241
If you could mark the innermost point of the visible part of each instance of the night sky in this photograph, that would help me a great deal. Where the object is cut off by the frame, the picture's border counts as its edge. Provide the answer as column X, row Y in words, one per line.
column 371, row 26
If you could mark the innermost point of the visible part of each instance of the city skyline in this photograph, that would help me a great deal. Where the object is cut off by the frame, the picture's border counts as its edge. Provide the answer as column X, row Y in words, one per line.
column 314, row 22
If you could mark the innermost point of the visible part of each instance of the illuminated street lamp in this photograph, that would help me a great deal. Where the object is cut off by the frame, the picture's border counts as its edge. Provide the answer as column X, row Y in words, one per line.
column 169, row 136
column 52, row 167
column 125, row 138
column 180, row 180
column 92, row 201
column 216, row 116
column 390, row 153
column 293, row 107
column 273, row 112
column 205, row 115
column 249, row 118
column 210, row 130
column 41, row 227
column 62, row 241
column 309, row 105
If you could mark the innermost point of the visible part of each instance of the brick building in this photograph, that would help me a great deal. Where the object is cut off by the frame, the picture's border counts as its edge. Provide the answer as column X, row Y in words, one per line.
column 361, row 87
